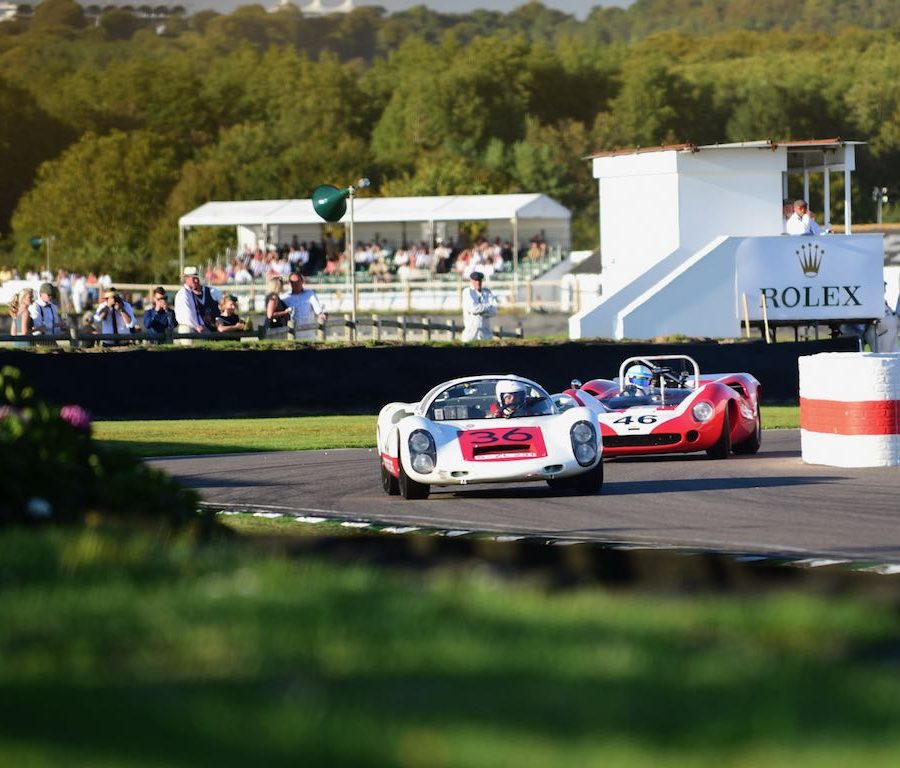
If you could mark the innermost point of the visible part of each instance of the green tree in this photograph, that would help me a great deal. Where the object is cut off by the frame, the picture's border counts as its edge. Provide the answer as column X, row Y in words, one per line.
column 58, row 16
column 100, row 199
column 119, row 24
column 28, row 137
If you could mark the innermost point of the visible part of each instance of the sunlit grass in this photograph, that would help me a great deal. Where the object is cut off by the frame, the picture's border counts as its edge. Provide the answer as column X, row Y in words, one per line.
column 207, row 436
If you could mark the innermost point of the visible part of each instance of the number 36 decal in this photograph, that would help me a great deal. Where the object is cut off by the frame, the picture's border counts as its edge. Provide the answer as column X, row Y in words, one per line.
column 647, row 418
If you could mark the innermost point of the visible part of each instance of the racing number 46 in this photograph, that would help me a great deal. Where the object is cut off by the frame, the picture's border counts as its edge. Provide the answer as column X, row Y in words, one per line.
column 647, row 418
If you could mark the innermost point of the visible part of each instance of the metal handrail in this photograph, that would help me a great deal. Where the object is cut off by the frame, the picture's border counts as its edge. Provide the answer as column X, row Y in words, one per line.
column 81, row 338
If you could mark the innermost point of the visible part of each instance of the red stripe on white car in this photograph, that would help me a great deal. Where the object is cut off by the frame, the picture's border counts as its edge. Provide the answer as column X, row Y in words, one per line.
column 391, row 464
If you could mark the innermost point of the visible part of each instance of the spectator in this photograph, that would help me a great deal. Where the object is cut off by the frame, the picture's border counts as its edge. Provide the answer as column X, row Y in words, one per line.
column 79, row 294
column 228, row 321
column 787, row 210
column 196, row 306
column 802, row 222
column 298, row 256
column 479, row 305
column 88, row 328
column 189, row 305
column 277, row 312
column 115, row 316
column 379, row 270
column 44, row 313
column 160, row 318
column 20, row 317
column 305, row 307
column 441, row 257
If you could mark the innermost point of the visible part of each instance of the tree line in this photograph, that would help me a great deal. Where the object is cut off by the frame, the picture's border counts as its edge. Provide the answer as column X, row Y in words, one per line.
column 112, row 127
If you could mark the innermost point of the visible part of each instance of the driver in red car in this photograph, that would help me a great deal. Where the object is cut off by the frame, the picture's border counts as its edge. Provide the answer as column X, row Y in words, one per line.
column 639, row 378
column 511, row 398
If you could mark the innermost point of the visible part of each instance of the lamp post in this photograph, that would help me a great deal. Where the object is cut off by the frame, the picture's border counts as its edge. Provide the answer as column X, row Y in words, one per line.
column 331, row 204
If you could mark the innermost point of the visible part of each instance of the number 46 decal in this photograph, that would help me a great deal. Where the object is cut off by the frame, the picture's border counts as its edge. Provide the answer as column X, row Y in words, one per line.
column 647, row 418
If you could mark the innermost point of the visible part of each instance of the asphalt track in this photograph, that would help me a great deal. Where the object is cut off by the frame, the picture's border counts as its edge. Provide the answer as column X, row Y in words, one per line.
column 770, row 504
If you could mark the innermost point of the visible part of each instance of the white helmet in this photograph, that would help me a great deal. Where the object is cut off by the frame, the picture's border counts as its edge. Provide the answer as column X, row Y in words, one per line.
column 509, row 387
column 639, row 376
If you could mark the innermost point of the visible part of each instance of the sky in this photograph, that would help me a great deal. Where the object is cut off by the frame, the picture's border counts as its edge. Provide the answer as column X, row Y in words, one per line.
column 578, row 8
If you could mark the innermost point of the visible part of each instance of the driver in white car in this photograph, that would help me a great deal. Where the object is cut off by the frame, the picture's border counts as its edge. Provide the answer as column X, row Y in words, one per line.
column 511, row 398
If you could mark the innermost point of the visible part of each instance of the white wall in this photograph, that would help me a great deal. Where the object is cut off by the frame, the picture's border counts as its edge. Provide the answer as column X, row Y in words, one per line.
column 695, row 299
column 638, row 225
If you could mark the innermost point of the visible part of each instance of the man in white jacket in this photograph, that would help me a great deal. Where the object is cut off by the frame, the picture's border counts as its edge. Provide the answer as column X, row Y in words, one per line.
column 479, row 306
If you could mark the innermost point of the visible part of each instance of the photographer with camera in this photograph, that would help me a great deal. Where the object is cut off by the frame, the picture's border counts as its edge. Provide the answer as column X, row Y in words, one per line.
column 160, row 318
column 114, row 316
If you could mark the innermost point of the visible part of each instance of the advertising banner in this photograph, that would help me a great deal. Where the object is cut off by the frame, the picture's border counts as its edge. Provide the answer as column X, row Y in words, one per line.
column 819, row 278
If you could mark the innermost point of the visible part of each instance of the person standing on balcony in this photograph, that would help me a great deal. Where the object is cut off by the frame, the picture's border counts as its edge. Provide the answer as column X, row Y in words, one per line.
column 479, row 306
column 802, row 222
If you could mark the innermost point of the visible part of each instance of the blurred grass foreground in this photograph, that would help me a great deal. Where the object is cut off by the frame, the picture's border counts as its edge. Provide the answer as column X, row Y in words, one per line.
column 124, row 648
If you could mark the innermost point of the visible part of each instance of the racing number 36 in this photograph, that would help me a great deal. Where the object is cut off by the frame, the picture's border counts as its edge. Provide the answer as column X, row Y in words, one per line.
column 645, row 419
column 515, row 435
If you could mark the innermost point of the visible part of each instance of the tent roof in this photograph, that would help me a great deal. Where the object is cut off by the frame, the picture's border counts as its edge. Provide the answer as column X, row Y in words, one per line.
column 375, row 210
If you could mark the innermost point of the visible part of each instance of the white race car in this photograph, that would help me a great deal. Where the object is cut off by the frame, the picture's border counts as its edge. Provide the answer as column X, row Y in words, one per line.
column 488, row 429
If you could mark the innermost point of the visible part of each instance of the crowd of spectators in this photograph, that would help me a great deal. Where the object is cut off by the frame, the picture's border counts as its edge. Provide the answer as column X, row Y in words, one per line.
column 380, row 260
column 90, row 303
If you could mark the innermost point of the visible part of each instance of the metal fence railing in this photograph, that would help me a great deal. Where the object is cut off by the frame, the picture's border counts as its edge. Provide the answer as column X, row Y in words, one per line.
column 344, row 329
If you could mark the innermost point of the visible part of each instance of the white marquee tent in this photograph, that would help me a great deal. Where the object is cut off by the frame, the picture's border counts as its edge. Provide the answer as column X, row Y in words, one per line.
column 396, row 219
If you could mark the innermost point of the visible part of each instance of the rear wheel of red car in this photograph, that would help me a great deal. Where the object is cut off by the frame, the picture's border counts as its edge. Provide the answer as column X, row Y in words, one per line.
column 389, row 483
column 722, row 447
column 411, row 489
column 591, row 481
column 752, row 443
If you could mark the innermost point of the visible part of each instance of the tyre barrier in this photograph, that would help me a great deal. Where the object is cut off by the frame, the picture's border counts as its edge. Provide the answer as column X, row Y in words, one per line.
column 850, row 409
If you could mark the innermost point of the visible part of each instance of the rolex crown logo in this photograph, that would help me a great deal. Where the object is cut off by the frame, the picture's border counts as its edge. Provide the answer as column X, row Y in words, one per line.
column 810, row 257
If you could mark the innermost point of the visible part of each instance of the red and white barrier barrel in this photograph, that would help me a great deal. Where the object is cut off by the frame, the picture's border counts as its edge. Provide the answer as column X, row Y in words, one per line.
column 850, row 409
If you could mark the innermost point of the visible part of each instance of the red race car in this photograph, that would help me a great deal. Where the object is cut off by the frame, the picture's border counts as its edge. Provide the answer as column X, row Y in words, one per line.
column 662, row 404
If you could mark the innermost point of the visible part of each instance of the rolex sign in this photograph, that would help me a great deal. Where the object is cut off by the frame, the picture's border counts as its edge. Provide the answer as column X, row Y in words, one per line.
column 824, row 277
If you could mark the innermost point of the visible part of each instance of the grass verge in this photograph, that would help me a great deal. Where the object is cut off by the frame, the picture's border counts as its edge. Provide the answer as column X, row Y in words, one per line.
column 207, row 436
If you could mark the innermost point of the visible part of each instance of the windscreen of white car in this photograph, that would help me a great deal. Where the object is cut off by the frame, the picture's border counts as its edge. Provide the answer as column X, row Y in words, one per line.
column 478, row 400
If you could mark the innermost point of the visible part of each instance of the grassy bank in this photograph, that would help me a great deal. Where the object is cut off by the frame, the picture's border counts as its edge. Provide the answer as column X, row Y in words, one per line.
column 203, row 436
column 129, row 651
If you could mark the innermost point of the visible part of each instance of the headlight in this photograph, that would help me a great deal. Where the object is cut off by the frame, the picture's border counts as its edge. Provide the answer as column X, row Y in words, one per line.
column 420, row 441
column 582, row 432
column 584, row 442
column 702, row 411
column 422, row 451
column 423, row 463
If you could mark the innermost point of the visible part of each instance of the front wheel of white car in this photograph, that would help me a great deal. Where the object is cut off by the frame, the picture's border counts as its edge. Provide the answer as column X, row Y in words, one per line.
column 389, row 483
column 411, row 489
column 590, row 482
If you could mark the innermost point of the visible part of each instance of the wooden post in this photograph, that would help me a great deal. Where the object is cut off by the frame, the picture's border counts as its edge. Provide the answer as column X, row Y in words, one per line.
column 402, row 321
column 520, row 332
column 765, row 314
column 528, row 296
column 427, row 323
column 348, row 328
column 322, row 331
column 452, row 330
column 746, row 315
column 376, row 327
column 408, row 290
